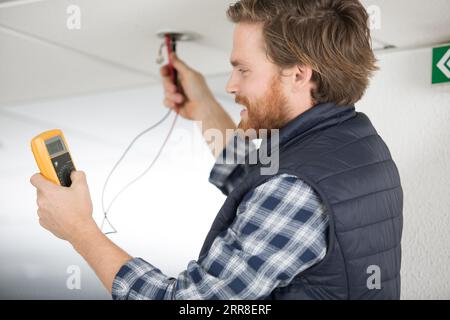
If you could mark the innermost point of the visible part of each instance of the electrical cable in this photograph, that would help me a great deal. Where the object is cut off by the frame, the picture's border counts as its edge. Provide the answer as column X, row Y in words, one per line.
column 170, row 43
column 105, row 212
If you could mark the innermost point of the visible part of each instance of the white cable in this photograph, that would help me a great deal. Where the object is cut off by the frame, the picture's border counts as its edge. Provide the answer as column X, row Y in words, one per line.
column 105, row 212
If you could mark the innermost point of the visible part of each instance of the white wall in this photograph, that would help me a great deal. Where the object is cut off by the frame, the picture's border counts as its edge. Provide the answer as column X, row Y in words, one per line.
column 413, row 117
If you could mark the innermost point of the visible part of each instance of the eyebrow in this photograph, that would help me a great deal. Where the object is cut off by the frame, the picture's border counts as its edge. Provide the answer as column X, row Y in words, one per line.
column 235, row 63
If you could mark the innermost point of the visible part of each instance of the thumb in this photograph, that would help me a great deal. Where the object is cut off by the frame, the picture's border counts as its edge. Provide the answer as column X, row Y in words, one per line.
column 78, row 177
column 179, row 64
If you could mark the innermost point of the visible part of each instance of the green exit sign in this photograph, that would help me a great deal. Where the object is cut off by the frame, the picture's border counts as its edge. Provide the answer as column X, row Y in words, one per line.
column 441, row 65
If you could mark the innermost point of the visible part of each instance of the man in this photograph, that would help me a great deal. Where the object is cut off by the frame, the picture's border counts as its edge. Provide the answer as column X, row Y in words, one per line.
column 327, row 225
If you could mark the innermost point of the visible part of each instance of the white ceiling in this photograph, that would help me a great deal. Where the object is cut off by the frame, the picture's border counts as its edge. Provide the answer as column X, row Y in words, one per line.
column 117, row 47
column 412, row 23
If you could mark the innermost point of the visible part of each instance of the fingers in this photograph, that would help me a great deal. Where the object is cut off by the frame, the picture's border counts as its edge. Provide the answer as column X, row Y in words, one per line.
column 175, row 97
column 165, row 71
column 179, row 64
column 40, row 214
column 44, row 224
column 170, row 104
column 41, row 183
column 172, row 97
column 174, row 101
column 169, row 86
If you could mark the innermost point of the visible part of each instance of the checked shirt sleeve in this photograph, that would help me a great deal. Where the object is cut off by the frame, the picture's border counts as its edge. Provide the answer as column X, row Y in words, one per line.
column 228, row 170
column 279, row 231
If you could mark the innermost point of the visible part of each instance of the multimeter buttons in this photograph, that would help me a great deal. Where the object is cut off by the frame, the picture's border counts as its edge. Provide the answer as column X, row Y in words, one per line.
column 63, row 166
column 66, row 172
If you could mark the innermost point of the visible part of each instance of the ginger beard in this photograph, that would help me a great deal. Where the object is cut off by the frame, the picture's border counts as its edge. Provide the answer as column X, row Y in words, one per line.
column 268, row 112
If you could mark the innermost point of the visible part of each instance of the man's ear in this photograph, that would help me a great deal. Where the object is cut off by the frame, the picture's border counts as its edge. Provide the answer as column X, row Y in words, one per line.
column 301, row 77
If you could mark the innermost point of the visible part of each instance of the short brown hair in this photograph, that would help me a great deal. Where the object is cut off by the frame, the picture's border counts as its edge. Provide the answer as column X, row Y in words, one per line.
column 331, row 36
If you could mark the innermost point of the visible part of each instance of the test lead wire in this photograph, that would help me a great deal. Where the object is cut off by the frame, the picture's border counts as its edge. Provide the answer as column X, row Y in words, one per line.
column 105, row 212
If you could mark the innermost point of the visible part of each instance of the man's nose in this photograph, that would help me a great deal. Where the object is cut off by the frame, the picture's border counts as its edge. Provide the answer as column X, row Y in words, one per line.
column 231, row 86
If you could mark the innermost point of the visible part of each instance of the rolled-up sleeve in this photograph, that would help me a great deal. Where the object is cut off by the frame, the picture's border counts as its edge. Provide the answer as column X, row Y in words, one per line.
column 137, row 277
column 228, row 170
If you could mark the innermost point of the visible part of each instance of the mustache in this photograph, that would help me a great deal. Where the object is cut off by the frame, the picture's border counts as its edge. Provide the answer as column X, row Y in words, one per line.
column 242, row 100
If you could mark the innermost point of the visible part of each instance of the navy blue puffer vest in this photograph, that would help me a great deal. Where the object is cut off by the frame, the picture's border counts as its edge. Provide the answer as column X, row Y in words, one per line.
column 337, row 151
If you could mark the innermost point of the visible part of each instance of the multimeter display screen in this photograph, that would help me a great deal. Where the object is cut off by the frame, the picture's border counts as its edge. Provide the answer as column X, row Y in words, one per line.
column 55, row 146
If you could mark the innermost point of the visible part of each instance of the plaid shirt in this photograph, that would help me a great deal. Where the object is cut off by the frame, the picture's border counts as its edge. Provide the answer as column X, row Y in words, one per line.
column 279, row 231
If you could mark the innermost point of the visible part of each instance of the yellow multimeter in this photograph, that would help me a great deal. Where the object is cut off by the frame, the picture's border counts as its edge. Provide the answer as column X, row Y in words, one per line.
column 53, row 157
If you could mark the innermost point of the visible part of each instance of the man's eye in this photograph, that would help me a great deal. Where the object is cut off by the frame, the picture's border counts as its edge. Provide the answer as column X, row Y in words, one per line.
column 243, row 71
